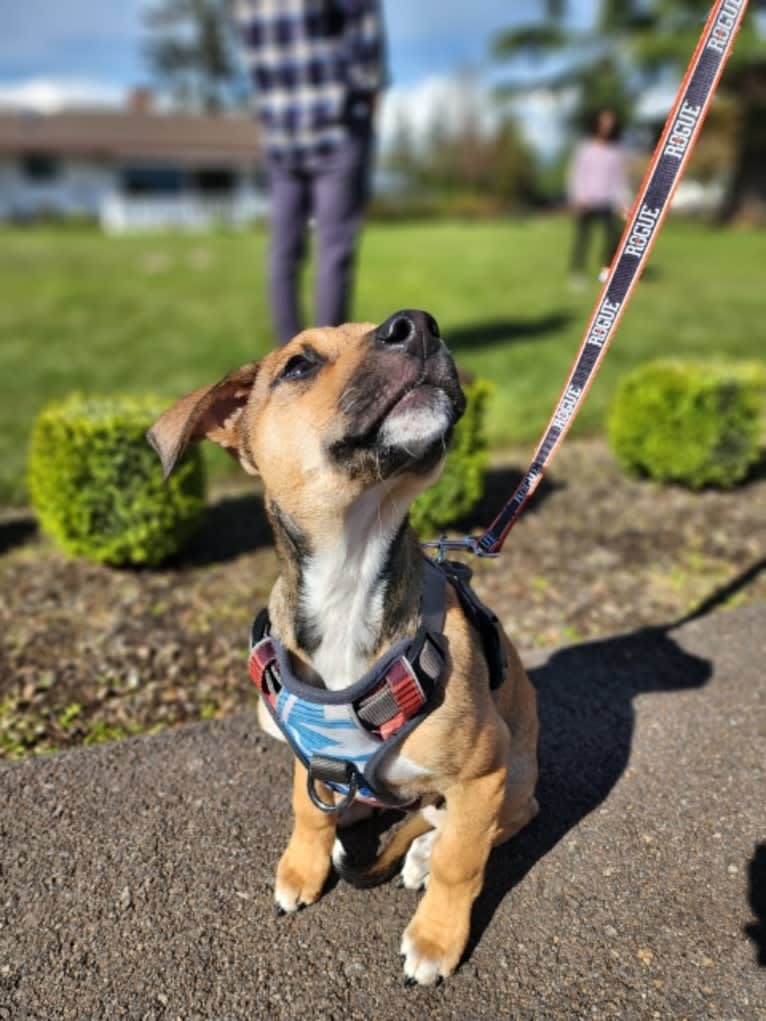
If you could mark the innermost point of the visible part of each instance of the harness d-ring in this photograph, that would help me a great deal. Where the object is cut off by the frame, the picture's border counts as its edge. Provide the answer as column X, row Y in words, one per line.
column 329, row 807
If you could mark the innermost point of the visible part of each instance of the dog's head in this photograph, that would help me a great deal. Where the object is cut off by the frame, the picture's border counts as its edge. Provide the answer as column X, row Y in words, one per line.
column 330, row 415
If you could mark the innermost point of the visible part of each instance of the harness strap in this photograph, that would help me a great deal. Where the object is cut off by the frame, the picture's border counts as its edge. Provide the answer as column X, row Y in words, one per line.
column 384, row 705
column 484, row 621
column 406, row 686
column 433, row 602
column 335, row 772
column 402, row 692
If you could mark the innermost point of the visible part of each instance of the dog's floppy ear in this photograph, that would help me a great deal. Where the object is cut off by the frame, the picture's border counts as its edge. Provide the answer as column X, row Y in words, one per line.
column 212, row 412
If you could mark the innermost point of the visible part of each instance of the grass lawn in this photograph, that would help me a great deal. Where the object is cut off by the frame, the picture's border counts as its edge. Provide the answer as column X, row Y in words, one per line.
column 169, row 313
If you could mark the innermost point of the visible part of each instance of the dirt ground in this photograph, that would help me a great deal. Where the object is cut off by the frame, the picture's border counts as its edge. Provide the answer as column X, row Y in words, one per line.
column 89, row 653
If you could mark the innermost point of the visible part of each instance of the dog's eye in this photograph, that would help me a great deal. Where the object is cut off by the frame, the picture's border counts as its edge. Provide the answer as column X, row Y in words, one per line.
column 298, row 367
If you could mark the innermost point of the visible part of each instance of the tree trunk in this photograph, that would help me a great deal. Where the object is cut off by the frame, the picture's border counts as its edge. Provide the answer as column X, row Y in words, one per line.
column 745, row 198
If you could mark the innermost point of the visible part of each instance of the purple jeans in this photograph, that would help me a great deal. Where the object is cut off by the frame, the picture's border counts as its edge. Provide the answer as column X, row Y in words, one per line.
column 333, row 189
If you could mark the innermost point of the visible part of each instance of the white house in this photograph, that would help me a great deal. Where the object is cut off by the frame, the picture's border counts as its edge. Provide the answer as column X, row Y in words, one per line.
column 131, row 169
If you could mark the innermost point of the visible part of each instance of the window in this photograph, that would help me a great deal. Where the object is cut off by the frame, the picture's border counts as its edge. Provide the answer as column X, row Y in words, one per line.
column 158, row 180
column 214, row 181
column 39, row 167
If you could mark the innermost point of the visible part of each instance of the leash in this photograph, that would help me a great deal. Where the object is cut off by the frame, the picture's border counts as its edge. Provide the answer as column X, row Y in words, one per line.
column 645, row 219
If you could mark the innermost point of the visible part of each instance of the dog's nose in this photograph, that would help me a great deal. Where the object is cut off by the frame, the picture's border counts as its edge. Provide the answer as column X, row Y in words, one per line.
column 410, row 330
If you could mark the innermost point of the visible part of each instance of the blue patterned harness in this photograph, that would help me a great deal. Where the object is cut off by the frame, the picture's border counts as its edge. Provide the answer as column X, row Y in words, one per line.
column 342, row 737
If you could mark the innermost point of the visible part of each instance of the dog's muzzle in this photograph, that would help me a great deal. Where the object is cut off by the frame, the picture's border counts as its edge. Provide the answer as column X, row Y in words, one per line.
column 412, row 331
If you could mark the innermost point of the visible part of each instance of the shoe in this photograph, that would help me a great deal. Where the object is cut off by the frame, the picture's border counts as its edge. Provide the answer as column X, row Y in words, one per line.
column 603, row 274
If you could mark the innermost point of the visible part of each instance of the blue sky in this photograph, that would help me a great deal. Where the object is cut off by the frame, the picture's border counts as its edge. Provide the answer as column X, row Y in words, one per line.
column 82, row 52
column 99, row 41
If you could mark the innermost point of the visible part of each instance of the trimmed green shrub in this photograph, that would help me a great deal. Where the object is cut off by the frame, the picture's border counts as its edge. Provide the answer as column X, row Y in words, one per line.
column 690, row 422
column 462, row 482
column 97, row 486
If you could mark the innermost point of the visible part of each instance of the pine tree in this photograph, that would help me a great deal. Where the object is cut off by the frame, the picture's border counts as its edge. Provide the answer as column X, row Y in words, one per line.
column 634, row 44
column 191, row 50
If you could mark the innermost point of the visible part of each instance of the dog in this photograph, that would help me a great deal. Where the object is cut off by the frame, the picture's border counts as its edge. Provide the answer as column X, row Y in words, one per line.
column 345, row 426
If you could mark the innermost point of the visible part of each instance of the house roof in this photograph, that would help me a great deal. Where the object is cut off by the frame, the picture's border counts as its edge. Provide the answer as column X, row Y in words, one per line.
column 131, row 135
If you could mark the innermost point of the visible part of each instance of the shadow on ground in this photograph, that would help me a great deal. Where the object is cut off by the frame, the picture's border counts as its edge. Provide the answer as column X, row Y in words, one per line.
column 505, row 331
column 757, row 471
column 723, row 594
column 499, row 485
column 16, row 533
column 757, row 896
column 232, row 526
column 585, row 699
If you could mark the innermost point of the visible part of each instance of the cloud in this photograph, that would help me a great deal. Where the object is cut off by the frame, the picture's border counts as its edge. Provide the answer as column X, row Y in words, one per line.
column 47, row 95
column 655, row 102
column 541, row 113
column 445, row 96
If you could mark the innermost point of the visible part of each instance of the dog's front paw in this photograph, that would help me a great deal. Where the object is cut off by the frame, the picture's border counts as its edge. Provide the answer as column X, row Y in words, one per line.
column 429, row 957
column 299, row 881
column 417, row 863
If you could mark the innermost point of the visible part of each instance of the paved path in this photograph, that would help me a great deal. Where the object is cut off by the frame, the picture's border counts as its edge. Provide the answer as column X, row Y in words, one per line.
column 135, row 879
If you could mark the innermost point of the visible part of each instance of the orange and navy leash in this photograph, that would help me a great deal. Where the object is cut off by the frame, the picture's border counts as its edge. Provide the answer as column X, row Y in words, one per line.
column 644, row 221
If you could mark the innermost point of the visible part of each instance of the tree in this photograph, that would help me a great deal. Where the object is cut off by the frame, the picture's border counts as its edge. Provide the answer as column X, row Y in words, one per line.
column 634, row 44
column 192, row 51
column 464, row 150
column 401, row 156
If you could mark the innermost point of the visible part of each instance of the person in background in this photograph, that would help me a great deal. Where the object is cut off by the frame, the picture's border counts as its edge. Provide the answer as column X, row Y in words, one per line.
column 317, row 67
column 597, row 192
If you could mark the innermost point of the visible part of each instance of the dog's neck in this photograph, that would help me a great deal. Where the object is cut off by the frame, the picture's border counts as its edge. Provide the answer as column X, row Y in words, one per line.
column 348, row 591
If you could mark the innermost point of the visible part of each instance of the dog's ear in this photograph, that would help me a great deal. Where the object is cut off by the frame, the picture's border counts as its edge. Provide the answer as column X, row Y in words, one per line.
column 212, row 412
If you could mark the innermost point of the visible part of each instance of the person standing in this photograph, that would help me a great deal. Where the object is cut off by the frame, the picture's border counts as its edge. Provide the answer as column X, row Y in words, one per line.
column 317, row 67
column 597, row 191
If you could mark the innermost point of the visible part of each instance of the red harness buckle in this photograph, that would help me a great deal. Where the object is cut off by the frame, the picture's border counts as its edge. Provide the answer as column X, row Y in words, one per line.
column 407, row 693
column 261, row 667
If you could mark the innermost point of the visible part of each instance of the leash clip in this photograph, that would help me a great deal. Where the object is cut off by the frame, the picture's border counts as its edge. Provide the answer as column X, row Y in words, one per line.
column 347, row 774
column 468, row 544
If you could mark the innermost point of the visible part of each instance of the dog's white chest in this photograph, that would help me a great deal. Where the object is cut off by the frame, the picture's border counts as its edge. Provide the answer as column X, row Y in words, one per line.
column 340, row 596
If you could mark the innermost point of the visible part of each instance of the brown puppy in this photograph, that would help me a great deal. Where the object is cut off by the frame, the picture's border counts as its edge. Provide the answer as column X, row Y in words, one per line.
column 346, row 426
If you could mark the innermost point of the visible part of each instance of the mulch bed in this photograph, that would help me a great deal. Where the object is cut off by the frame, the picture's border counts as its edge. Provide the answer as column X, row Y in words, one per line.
column 89, row 653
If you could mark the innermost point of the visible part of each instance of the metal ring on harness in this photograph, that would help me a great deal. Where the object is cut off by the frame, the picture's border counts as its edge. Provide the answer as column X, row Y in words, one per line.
column 351, row 778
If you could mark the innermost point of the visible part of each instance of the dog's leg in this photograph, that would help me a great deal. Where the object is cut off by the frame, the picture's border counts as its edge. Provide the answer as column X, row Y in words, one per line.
column 305, row 865
column 417, row 862
column 436, row 937
column 518, row 810
column 396, row 842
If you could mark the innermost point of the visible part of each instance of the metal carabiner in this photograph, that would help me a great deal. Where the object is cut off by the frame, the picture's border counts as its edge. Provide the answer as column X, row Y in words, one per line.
column 468, row 544
column 352, row 779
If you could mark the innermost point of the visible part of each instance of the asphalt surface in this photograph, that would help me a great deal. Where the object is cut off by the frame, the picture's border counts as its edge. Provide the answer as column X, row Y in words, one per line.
column 135, row 878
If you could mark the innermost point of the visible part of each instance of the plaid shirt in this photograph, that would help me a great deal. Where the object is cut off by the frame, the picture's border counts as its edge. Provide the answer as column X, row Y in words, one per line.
column 316, row 65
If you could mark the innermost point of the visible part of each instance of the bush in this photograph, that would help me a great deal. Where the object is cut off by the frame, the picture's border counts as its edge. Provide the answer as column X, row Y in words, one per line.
column 690, row 422
column 97, row 486
column 462, row 482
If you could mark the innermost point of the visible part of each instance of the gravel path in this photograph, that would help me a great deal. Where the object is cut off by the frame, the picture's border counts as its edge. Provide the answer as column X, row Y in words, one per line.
column 136, row 877
column 88, row 653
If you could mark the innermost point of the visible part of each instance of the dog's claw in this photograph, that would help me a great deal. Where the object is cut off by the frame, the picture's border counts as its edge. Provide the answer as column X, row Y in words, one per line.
column 279, row 911
column 409, row 981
